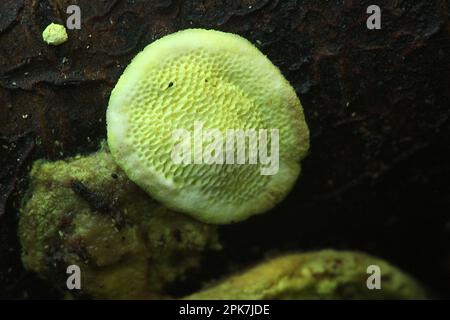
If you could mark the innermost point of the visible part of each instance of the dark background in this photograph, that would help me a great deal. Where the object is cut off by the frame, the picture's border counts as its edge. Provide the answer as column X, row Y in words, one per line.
column 377, row 178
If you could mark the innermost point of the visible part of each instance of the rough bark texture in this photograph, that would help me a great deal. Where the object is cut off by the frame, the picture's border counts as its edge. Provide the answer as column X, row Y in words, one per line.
column 377, row 103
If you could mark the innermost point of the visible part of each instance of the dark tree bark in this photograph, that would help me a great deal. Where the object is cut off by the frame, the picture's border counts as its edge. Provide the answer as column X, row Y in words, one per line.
column 377, row 102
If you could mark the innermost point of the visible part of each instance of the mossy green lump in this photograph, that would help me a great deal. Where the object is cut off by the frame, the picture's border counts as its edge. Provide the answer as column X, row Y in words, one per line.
column 85, row 211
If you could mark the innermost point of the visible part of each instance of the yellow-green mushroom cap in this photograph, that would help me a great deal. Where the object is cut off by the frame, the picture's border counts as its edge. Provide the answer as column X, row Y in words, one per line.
column 55, row 34
column 221, row 83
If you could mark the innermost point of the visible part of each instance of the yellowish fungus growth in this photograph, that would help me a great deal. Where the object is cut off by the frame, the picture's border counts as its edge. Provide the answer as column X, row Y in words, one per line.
column 84, row 211
column 326, row 274
column 55, row 34
column 218, row 82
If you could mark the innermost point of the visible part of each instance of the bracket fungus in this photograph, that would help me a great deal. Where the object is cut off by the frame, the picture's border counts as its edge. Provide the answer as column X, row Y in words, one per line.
column 325, row 274
column 221, row 83
column 84, row 211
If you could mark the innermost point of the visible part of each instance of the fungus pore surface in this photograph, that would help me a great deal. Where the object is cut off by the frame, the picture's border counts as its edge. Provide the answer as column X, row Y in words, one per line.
column 217, row 81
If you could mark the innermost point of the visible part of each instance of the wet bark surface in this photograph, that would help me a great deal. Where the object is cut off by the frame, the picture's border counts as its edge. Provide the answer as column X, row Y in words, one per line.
column 377, row 178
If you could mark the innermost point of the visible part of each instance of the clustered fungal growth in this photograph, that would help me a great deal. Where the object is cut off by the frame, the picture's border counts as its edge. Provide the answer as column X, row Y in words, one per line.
column 223, row 82
column 130, row 244
column 85, row 211
column 55, row 34
column 326, row 274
